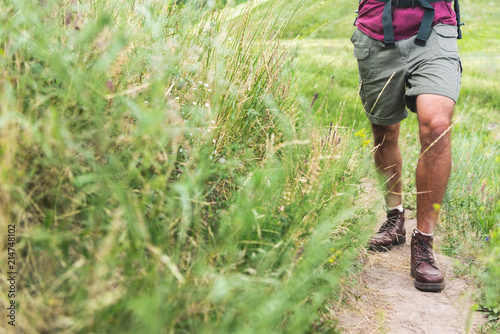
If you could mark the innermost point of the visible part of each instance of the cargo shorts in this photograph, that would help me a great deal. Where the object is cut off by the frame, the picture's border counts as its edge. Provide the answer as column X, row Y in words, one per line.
column 391, row 79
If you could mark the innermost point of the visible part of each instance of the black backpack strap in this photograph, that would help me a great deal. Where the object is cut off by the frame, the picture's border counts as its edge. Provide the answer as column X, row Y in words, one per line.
column 425, row 26
column 357, row 14
column 387, row 24
column 459, row 24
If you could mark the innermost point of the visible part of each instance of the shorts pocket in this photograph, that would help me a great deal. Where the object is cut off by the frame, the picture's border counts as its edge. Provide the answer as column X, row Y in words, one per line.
column 447, row 37
column 367, row 64
column 361, row 53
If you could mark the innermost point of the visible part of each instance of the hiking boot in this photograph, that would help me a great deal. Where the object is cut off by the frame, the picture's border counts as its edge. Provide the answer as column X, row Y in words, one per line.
column 427, row 275
column 392, row 232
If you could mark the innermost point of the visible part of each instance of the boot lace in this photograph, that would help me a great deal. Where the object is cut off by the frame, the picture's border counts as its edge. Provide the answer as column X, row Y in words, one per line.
column 423, row 250
column 390, row 225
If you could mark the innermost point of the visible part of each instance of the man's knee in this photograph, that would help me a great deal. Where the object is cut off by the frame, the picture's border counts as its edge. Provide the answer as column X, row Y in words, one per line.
column 434, row 117
column 435, row 130
column 385, row 134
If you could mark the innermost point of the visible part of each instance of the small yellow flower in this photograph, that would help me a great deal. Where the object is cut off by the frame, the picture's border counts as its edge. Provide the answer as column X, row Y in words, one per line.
column 361, row 133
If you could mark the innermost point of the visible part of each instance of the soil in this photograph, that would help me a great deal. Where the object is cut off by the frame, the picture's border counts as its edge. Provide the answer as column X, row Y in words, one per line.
column 383, row 298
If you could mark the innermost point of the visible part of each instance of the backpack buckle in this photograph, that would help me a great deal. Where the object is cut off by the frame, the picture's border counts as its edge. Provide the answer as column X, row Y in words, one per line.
column 405, row 3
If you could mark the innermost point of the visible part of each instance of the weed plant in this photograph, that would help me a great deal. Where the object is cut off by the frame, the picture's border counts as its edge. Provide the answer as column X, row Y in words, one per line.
column 163, row 175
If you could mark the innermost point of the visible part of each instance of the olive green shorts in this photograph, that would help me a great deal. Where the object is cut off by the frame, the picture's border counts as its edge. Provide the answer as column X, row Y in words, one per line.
column 391, row 79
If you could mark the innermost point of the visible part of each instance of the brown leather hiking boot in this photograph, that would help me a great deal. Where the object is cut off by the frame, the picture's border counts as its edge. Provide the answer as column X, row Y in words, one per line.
column 392, row 232
column 427, row 275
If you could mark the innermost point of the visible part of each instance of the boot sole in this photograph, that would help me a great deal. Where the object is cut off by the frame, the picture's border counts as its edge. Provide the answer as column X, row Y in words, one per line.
column 378, row 248
column 427, row 287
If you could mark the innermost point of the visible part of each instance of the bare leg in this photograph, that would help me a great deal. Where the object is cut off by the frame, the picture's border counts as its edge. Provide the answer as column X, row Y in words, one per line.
column 388, row 161
column 434, row 166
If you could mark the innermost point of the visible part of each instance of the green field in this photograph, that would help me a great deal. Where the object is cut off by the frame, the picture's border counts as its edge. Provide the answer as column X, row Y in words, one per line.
column 166, row 172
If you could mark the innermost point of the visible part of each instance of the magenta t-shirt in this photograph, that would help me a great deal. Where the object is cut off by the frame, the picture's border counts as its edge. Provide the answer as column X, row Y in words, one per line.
column 406, row 21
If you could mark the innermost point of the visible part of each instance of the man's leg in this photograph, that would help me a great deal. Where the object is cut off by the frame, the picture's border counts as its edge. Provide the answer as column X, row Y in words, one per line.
column 433, row 170
column 388, row 162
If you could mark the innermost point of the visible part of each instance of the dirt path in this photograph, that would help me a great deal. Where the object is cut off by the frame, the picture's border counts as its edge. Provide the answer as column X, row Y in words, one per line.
column 384, row 299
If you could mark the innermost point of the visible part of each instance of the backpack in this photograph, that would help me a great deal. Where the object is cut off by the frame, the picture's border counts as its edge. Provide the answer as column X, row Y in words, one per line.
column 425, row 26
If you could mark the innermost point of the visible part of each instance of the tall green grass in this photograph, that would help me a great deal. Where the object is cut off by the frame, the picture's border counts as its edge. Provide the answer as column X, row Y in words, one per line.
column 163, row 174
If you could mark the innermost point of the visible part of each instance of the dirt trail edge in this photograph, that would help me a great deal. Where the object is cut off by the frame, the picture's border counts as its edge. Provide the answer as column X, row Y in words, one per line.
column 384, row 300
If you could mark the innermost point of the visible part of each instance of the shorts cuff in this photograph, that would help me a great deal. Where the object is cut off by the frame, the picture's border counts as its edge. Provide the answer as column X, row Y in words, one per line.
column 387, row 121
column 414, row 92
